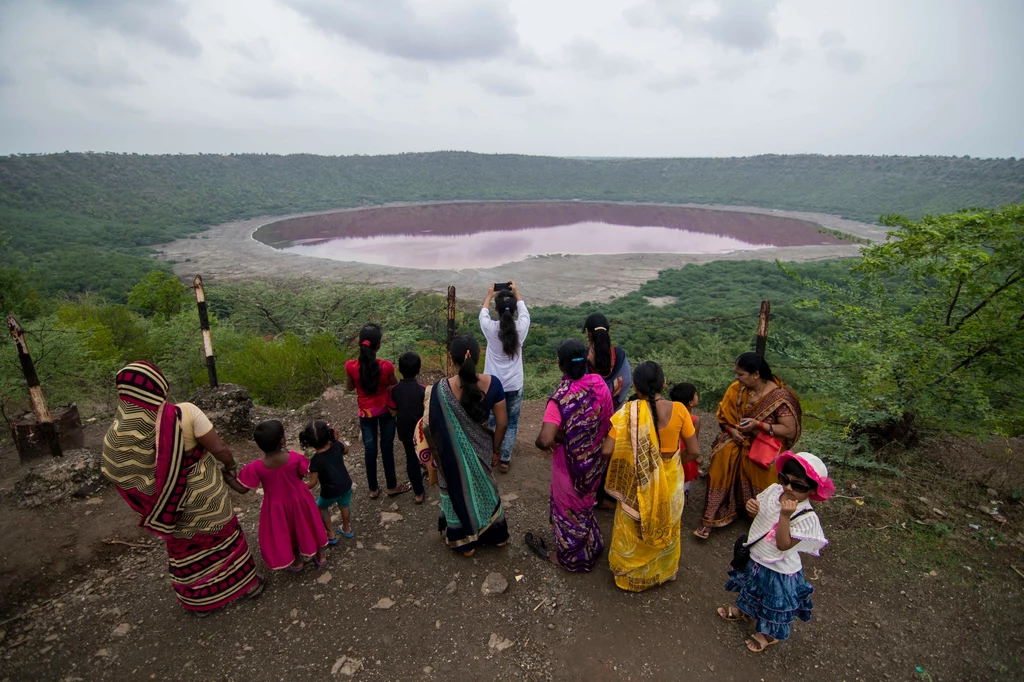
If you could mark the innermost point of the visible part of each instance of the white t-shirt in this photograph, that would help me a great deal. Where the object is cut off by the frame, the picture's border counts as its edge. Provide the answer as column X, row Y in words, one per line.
column 508, row 370
column 806, row 528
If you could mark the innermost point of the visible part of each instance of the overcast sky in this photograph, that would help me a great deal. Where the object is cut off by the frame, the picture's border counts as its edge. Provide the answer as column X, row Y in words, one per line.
column 558, row 77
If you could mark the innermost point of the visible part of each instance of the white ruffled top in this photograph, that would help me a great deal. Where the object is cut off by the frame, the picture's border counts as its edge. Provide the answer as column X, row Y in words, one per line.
column 806, row 528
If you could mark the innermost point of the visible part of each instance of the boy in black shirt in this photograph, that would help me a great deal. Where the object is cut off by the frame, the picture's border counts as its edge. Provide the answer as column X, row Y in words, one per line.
column 327, row 467
column 407, row 407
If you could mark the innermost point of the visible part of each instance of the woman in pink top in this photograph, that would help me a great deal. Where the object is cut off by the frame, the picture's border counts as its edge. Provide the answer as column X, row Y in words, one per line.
column 577, row 419
column 372, row 380
column 290, row 525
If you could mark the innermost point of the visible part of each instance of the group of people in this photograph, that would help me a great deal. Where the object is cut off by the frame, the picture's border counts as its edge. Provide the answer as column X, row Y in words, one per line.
column 617, row 436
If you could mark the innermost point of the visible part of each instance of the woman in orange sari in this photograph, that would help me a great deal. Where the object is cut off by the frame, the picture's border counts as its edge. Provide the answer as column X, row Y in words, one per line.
column 757, row 402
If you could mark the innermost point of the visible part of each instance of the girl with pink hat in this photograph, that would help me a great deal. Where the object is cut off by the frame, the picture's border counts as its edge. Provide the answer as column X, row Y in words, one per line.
column 767, row 571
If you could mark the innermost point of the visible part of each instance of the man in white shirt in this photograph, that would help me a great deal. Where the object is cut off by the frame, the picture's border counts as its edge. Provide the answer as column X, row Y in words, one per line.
column 504, row 358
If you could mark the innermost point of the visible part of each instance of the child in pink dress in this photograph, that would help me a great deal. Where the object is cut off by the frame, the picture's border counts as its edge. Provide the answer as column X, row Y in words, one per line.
column 290, row 525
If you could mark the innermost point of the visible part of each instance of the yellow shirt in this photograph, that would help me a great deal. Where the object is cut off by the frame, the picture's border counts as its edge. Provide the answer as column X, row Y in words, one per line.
column 679, row 426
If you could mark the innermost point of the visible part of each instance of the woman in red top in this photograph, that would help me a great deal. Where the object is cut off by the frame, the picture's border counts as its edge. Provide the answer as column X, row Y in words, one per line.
column 372, row 380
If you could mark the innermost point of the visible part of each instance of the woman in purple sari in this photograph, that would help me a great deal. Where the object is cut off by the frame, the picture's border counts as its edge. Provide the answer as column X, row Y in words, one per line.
column 577, row 418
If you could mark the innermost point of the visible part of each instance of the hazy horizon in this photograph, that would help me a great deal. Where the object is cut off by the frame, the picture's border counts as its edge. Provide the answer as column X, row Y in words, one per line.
column 576, row 79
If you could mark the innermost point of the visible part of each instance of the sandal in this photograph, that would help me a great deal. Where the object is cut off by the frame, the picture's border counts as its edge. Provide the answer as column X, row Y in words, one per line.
column 400, row 490
column 503, row 467
column 469, row 553
column 732, row 614
column 374, row 494
column 344, row 534
column 320, row 564
column 759, row 642
column 537, row 544
column 292, row 568
column 331, row 542
column 420, row 499
column 703, row 533
column 258, row 590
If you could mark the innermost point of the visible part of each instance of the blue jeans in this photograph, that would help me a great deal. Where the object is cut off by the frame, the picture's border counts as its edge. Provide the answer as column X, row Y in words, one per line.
column 513, row 405
column 369, row 426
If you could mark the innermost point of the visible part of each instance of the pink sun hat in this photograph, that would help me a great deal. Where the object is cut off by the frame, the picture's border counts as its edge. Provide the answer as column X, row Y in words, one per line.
column 815, row 470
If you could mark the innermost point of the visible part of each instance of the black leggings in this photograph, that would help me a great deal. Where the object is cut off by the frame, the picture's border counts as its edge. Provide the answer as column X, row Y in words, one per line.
column 412, row 466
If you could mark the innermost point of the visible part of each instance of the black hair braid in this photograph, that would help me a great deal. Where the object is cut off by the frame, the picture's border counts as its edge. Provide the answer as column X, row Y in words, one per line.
column 505, row 303
column 369, row 368
column 465, row 352
column 598, row 326
column 649, row 380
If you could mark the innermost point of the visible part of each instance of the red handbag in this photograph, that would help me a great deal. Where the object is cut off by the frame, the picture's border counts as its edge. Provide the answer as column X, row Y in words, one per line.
column 764, row 450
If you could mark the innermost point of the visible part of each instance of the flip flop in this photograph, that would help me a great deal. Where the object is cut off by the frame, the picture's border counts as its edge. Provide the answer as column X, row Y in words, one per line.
column 420, row 499
column 761, row 644
column 258, row 590
column 402, row 489
column 731, row 614
column 537, row 544
column 331, row 542
column 294, row 569
column 320, row 564
column 503, row 467
column 702, row 533
column 374, row 494
column 349, row 534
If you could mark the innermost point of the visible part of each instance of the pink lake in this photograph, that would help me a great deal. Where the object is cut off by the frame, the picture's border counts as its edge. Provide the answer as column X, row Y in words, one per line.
column 488, row 249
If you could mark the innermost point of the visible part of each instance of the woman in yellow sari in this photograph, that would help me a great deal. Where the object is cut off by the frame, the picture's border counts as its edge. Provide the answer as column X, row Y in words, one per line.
column 645, row 477
column 757, row 402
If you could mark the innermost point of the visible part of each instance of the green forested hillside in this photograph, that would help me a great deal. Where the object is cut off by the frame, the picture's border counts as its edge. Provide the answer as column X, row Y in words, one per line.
column 60, row 211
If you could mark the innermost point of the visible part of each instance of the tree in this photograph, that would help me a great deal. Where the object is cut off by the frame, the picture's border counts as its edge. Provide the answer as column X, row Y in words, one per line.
column 160, row 293
column 935, row 317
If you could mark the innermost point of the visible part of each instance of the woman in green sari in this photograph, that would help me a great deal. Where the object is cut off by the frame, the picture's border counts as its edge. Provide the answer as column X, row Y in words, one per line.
column 464, row 450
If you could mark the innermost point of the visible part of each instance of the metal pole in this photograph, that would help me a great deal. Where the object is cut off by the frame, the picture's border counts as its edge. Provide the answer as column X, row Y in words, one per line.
column 762, row 327
column 35, row 391
column 451, row 327
column 204, row 326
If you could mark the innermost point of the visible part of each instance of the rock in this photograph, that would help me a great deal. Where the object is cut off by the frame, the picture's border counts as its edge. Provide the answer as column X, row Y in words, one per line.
column 427, row 669
column 94, row 500
column 399, row 582
column 102, row 653
column 383, row 548
column 45, row 650
column 509, row 497
column 59, row 478
column 294, row 614
column 499, row 643
column 337, row 665
column 992, row 493
column 437, row 625
column 121, row 630
column 390, row 517
column 350, row 667
column 359, row 545
column 228, row 406
column 324, row 578
column 551, row 626
column 384, row 604
column 317, row 597
column 494, row 583
column 452, row 586
column 393, row 507
column 51, row 638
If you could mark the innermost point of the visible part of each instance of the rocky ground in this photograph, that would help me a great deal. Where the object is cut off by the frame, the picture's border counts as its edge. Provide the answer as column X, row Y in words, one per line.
column 228, row 252
column 918, row 583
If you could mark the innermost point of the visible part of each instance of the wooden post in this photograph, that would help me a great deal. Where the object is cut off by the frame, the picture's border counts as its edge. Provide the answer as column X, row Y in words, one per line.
column 762, row 327
column 35, row 391
column 204, row 326
column 451, row 327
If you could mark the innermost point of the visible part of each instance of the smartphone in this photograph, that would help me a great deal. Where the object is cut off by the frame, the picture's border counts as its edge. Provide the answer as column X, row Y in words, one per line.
column 745, row 422
column 502, row 286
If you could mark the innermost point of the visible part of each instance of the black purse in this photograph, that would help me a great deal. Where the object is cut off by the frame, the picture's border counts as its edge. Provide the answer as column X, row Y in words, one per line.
column 741, row 550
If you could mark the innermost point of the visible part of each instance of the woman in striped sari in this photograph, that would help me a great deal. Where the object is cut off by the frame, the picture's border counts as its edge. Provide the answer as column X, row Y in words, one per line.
column 757, row 402
column 163, row 459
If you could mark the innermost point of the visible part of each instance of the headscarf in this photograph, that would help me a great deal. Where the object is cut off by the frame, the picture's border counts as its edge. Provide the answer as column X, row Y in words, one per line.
column 143, row 451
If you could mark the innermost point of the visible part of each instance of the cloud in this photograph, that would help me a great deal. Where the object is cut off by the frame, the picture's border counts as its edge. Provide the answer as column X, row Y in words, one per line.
column 434, row 30
column 745, row 25
column 845, row 60
column 266, row 87
column 504, row 85
column 6, row 76
column 837, row 55
column 257, row 50
column 160, row 22
column 96, row 74
column 590, row 58
column 792, row 51
column 679, row 81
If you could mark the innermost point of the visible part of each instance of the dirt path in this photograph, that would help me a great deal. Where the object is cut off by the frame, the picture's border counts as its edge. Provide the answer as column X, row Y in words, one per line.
column 228, row 251
column 875, row 616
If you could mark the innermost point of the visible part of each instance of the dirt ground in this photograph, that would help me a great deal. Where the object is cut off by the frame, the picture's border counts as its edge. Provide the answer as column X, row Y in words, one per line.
column 228, row 251
column 902, row 593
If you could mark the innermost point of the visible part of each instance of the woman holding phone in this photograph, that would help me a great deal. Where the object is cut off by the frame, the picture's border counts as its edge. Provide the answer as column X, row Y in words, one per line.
column 757, row 402
column 504, row 357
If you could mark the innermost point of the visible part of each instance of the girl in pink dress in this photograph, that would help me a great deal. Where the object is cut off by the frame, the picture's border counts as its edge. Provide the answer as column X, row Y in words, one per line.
column 290, row 525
